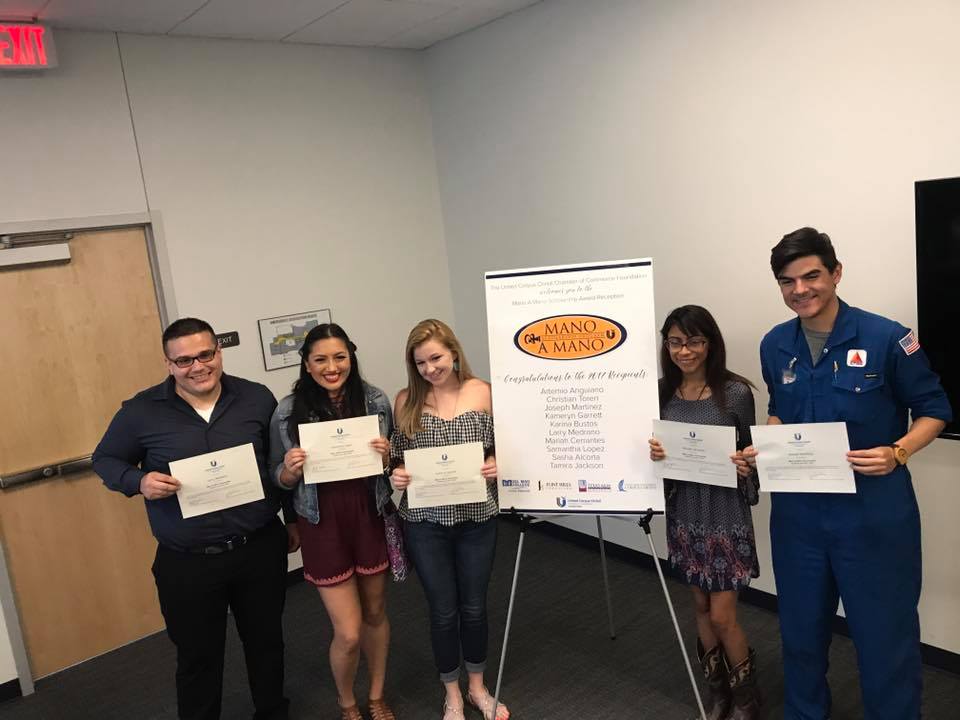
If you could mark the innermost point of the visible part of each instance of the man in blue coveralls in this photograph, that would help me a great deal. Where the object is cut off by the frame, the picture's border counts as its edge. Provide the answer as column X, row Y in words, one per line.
column 837, row 363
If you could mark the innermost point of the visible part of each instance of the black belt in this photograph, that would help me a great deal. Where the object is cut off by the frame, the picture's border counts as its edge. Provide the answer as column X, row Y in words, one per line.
column 233, row 542
column 227, row 545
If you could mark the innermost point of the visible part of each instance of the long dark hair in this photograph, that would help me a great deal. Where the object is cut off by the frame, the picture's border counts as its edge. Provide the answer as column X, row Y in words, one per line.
column 311, row 403
column 696, row 320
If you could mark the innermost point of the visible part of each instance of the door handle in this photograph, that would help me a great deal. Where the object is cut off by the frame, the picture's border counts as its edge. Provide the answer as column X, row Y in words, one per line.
column 61, row 469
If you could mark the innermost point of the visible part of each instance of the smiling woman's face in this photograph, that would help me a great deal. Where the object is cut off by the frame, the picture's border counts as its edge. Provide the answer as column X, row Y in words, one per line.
column 688, row 352
column 328, row 363
column 434, row 361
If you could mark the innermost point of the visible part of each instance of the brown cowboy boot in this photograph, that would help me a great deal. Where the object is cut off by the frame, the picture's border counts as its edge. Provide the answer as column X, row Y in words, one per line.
column 718, row 701
column 743, row 686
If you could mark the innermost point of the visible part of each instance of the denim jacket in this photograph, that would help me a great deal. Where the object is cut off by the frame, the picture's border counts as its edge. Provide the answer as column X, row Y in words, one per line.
column 305, row 496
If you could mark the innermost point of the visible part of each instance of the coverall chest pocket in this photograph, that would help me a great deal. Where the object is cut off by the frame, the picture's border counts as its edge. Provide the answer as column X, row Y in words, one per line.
column 787, row 401
column 859, row 397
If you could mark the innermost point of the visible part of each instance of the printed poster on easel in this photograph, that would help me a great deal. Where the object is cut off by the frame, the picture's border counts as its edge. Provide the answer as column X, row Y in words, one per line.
column 573, row 364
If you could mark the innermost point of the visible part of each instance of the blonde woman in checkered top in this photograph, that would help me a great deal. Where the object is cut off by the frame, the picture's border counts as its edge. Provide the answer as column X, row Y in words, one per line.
column 452, row 546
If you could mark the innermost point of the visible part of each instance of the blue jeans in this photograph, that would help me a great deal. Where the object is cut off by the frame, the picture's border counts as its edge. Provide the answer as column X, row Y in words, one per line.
column 454, row 564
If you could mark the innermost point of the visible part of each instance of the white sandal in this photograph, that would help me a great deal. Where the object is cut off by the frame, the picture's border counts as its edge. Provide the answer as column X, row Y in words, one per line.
column 452, row 713
column 485, row 706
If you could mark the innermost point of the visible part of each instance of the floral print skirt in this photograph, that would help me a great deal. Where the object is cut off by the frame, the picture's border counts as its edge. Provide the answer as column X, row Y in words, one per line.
column 710, row 537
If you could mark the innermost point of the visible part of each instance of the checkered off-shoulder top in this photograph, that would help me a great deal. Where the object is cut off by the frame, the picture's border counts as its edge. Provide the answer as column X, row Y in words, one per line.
column 470, row 426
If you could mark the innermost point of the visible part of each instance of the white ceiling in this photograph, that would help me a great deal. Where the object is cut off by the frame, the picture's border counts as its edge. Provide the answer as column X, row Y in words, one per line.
column 413, row 24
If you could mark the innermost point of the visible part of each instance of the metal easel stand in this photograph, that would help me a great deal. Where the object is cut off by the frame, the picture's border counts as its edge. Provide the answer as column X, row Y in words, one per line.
column 606, row 579
column 525, row 522
column 644, row 523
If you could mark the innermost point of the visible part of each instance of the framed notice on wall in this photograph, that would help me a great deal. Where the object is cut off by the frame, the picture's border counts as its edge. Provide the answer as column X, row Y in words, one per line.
column 282, row 336
column 573, row 364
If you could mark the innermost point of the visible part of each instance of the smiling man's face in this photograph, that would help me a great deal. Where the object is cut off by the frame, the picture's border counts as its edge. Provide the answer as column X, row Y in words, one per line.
column 808, row 288
column 199, row 379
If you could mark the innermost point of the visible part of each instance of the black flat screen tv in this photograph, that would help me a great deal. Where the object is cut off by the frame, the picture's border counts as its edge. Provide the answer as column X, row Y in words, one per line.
column 938, row 284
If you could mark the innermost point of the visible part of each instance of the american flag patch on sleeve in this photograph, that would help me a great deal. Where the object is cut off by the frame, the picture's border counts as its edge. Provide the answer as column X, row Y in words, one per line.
column 909, row 343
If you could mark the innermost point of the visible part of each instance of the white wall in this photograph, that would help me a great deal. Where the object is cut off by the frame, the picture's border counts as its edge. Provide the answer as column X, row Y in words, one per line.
column 699, row 133
column 8, row 670
column 293, row 178
column 269, row 165
column 287, row 178
column 68, row 145
column 8, row 666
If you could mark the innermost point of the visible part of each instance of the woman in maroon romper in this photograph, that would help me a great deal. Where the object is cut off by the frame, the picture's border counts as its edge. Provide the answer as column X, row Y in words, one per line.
column 341, row 523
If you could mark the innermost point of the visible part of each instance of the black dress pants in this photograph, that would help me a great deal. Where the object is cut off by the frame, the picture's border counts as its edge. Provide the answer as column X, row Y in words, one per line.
column 196, row 590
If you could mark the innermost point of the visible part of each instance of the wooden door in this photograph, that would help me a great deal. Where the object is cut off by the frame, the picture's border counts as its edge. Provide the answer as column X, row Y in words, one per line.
column 77, row 339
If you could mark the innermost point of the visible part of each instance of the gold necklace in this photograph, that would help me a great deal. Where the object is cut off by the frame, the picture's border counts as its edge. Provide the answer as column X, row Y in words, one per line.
column 456, row 402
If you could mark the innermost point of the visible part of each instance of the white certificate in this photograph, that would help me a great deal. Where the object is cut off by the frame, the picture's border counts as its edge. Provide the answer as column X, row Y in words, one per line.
column 697, row 453
column 217, row 480
column 804, row 458
column 340, row 449
column 448, row 475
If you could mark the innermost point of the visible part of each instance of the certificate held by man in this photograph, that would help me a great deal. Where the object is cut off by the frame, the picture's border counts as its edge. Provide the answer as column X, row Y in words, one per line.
column 340, row 449
column 804, row 458
column 697, row 453
column 218, row 480
column 448, row 475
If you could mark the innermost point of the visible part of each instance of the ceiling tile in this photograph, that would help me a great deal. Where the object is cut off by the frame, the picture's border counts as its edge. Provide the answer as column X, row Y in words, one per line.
column 387, row 23
column 20, row 9
column 447, row 25
column 140, row 16
column 370, row 22
column 259, row 19
column 505, row 6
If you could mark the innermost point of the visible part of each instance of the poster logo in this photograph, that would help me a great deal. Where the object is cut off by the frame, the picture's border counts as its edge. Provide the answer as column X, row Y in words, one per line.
column 561, row 501
column 570, row 337
column 521, row 485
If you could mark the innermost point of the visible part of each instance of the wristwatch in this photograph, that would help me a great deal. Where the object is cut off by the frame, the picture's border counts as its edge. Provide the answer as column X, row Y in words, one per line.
column 900, row 454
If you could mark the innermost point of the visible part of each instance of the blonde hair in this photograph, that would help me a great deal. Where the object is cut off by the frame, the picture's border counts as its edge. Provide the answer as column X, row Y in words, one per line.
column 410, row 414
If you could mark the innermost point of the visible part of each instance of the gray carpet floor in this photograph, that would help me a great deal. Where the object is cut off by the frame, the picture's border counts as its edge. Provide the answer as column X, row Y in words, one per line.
column 561, row 664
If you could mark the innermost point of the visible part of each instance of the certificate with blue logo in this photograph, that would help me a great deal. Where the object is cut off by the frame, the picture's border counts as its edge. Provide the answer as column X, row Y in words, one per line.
column 697, row 453
column 218, row 480
column 448, row 475
column 340, row 449
column 808, row 458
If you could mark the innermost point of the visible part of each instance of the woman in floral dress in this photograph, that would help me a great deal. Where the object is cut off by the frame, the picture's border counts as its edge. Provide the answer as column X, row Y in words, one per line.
column 709, row 528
